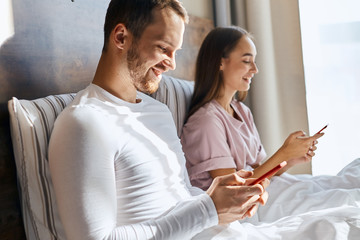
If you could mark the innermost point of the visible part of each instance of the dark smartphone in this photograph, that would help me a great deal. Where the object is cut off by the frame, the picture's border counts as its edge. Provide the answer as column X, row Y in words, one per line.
column 322, row 129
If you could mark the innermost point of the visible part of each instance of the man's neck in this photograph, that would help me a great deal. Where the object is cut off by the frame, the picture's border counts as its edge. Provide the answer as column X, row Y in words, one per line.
column 114, row 78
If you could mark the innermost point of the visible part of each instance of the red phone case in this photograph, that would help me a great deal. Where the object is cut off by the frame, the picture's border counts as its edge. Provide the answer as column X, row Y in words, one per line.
column 322, row 129
column 270, row 173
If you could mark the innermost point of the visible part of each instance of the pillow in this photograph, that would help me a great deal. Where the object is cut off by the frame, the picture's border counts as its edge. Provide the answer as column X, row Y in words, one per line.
column 31, row 123
column 176, row 94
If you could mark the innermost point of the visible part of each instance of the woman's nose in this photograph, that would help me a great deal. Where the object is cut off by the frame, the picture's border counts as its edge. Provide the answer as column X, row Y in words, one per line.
column 255, row 68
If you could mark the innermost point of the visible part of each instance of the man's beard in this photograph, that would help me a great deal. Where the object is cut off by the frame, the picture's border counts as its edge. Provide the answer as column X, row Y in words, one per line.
column 138, row 72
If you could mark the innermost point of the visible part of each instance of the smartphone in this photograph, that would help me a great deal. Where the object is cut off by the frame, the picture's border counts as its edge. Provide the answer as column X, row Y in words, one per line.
column 270, row 173
column 322, row 129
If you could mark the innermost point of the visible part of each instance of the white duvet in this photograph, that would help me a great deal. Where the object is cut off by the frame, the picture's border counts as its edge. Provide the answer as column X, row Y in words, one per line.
column 302, row 207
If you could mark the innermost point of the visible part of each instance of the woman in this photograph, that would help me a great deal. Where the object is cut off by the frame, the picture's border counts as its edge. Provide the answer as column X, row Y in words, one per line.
column 220, row 136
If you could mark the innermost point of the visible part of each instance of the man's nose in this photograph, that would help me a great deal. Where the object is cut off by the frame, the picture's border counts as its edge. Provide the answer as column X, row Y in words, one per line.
column 170, row 62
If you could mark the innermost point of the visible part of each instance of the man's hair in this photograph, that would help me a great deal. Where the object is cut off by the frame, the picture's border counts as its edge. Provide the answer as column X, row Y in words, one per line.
column 136, row 15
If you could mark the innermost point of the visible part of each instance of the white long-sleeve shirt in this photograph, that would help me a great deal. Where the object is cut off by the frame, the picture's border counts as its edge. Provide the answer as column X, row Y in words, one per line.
column 118, row 171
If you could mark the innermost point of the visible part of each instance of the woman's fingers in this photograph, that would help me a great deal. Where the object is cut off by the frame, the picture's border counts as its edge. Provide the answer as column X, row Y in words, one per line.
column 298, row 134
column 313, row 148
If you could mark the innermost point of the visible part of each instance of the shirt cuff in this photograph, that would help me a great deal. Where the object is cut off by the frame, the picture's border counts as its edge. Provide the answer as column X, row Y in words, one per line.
column 210, row 209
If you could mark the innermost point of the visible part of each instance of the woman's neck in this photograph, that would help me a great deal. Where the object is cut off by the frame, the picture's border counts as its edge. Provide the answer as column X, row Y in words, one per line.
column 226, row 104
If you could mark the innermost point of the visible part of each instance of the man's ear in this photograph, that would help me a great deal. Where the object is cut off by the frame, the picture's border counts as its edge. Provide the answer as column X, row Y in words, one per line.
column 120, row 36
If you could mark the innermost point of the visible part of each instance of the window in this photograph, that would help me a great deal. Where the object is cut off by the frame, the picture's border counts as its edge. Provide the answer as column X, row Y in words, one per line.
column 330, row 32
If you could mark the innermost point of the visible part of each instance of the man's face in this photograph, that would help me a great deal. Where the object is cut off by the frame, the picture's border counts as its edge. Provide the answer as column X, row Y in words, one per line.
column 154, row 52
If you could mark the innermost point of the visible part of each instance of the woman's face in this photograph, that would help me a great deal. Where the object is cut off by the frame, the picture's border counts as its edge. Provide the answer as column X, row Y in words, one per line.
column 239, row 67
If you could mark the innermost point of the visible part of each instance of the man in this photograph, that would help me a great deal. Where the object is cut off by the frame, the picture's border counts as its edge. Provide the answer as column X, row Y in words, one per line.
column 115, row 159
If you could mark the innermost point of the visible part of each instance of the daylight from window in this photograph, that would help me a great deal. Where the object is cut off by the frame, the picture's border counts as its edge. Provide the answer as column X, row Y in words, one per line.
column 330, row 32
column 6, row 21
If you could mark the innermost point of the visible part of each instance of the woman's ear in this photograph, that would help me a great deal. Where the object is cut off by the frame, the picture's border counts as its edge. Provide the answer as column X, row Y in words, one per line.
column 222, row 64
column 120, row 36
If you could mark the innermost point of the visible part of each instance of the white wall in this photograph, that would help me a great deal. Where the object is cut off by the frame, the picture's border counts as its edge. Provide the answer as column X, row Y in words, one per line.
column 199, row 8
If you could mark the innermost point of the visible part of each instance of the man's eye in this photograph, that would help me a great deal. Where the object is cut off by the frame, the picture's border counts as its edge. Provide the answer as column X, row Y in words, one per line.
column 163, row 49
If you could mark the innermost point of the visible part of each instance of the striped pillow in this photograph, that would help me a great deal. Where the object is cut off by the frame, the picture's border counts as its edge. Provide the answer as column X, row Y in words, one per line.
column 176, row 94
column 31, row 125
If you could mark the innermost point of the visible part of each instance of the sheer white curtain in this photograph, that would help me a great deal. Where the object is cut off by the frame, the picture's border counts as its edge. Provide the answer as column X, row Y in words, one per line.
column 331, row 50
column 277, row 94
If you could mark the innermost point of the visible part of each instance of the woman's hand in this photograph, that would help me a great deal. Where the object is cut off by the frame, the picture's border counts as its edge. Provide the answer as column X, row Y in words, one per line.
column 298, row 148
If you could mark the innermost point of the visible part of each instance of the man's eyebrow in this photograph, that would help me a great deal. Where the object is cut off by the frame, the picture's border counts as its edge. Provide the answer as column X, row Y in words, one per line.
column 170, row 44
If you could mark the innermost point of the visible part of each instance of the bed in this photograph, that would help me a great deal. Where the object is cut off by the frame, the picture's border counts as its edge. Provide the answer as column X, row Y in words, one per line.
column 304, row 207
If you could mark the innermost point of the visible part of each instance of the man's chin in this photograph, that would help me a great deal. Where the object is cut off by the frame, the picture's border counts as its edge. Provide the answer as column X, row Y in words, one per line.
column 149, row 88
column 153, row 87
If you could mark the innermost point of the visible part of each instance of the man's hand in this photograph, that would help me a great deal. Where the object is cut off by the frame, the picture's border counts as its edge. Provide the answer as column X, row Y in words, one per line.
column 233, row 199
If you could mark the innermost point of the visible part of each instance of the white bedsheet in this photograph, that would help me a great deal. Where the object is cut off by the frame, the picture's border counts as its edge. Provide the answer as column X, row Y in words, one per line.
column 302, row 207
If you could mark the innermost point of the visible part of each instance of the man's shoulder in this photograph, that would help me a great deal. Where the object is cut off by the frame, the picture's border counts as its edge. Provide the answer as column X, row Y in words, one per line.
column 151, row 102
column 82, row 109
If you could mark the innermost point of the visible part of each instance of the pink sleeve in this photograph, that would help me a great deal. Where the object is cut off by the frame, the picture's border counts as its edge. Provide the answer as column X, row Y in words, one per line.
column 205, row 145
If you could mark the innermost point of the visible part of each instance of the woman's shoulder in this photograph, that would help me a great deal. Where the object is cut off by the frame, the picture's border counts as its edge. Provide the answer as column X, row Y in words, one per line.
column 244, row 112
column 206, row 115
column 240, row 105
column 209, row 109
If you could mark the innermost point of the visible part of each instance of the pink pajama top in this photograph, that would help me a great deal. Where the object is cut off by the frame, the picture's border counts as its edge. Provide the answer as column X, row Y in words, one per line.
column 212, row 139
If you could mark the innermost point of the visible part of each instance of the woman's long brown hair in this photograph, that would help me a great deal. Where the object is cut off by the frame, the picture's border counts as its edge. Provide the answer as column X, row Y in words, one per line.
column 217, row 44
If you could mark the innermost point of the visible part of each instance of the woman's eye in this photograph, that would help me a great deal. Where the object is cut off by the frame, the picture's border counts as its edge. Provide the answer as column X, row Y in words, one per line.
column 247, row 62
